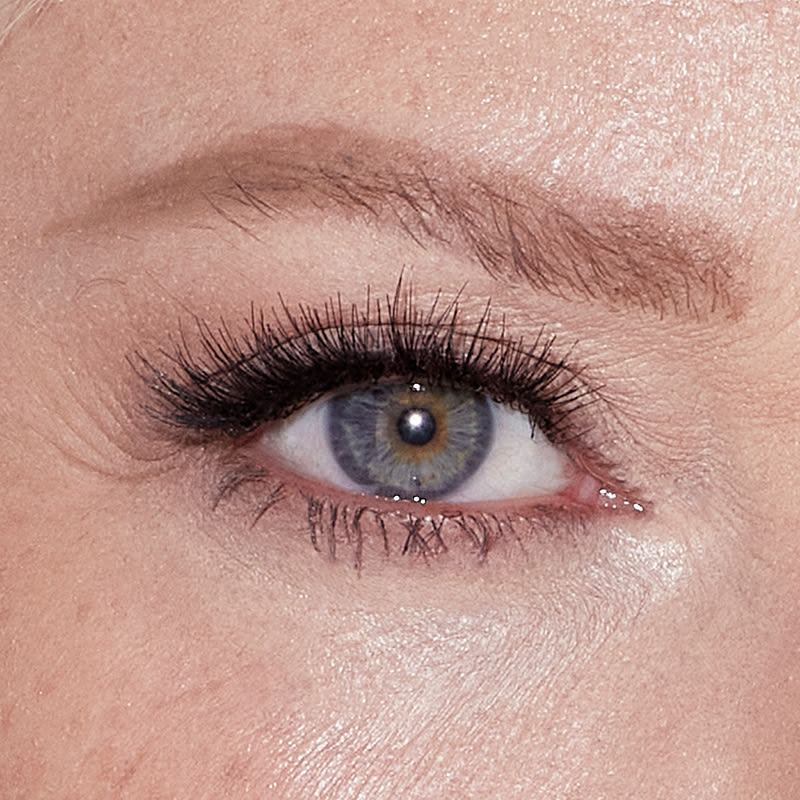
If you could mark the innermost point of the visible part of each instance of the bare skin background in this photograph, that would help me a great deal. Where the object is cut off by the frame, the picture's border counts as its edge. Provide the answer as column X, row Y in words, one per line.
column 154, row 646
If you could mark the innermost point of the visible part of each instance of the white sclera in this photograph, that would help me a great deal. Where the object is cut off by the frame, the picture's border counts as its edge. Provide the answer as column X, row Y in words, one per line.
column 517, row 465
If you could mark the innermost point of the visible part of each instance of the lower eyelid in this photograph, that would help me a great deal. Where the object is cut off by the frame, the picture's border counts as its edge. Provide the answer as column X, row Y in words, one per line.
column 357, row 529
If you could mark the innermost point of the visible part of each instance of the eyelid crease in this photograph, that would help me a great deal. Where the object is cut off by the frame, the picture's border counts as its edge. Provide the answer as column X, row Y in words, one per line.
column 517, row 231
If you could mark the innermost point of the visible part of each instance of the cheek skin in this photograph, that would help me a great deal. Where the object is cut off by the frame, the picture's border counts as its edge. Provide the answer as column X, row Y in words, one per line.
column 300, row 677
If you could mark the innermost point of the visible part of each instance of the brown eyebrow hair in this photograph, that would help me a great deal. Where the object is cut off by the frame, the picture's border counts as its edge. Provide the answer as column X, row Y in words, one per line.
column 588, row 249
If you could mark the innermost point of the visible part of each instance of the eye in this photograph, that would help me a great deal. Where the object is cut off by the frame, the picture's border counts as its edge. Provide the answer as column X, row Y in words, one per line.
column 411, row 440
column 395, row 402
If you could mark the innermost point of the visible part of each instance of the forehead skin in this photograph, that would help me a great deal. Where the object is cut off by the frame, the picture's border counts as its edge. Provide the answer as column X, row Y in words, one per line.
column 665, row 114
column 140, row 663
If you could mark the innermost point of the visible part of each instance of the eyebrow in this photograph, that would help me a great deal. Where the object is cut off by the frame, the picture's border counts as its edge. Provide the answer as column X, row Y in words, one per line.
column 590, row 249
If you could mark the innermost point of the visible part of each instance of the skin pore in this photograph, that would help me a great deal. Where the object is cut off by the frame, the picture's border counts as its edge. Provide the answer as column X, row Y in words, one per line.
column 617, row 178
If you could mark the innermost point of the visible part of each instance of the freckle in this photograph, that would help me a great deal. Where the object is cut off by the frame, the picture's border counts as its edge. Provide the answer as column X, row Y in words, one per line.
column 45, row 689
column 82, row 611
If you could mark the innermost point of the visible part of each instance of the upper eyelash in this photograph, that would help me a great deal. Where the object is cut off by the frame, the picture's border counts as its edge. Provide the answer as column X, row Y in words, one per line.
column 235, row 384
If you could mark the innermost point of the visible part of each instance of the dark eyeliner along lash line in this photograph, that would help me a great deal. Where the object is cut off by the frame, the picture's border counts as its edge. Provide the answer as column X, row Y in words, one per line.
column 237, row 384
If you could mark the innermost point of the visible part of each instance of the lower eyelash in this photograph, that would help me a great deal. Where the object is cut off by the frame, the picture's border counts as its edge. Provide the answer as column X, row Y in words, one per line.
column 332, row 525
column 344, row 530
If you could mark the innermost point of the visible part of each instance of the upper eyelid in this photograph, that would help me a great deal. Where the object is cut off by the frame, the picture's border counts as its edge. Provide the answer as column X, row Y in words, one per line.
column 233, row 385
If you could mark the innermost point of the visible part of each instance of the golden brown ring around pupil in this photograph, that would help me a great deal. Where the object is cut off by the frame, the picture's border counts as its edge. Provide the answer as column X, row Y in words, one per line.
column 414, row 453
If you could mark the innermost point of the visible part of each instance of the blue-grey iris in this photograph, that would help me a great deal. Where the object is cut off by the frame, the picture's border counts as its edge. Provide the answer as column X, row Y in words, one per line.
column 406, row 440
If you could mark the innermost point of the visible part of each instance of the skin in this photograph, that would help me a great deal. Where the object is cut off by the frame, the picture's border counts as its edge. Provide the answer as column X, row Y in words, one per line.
column 153, row 645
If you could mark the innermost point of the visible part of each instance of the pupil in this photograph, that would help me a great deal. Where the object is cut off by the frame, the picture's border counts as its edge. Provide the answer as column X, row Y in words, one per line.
column 416, row 426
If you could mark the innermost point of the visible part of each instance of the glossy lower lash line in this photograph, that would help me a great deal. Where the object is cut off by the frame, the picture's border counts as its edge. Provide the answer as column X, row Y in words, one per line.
column 227, row 386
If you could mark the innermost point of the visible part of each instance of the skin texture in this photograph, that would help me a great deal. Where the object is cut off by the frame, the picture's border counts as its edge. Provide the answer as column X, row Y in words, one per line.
column 154, row 643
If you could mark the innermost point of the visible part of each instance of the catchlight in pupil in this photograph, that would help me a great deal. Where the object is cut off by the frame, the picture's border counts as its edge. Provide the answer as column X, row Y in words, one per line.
column 409, row 441
column 416, row 426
